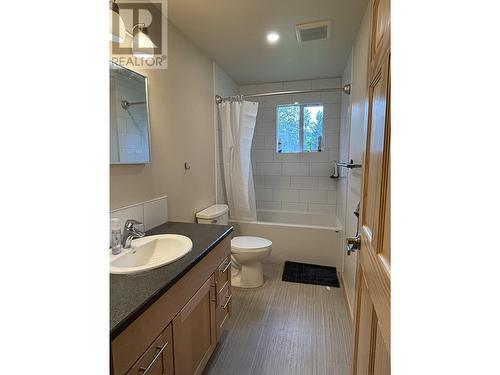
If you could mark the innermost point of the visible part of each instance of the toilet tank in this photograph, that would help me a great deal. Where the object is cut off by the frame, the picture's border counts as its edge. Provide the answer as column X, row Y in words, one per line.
column 216, row 214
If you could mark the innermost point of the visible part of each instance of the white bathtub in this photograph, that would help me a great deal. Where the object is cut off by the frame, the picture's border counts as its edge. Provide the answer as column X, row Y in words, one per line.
column 296, row 236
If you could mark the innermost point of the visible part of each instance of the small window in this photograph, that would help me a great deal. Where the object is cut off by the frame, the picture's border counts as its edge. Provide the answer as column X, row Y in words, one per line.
column 299, row 128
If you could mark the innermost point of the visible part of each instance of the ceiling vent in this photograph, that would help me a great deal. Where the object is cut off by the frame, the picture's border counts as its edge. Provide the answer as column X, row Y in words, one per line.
column 307, row 32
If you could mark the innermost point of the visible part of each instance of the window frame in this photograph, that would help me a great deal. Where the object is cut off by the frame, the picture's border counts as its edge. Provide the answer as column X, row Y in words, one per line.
column 301, row 127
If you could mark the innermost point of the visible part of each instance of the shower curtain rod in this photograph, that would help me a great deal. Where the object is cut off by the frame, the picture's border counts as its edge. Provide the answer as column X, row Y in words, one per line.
column 346, row 89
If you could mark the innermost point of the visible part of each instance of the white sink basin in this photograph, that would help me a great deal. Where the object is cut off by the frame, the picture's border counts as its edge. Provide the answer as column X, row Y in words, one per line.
column 150, row 252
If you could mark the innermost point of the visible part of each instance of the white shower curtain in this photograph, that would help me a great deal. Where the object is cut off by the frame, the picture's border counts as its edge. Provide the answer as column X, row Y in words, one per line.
column 238, row 124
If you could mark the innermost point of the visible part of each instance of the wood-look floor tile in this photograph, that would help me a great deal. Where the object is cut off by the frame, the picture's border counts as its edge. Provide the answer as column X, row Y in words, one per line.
column 285, row 329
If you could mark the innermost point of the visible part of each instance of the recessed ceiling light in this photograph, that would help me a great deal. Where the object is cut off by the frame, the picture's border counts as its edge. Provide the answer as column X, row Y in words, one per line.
column 272, row 37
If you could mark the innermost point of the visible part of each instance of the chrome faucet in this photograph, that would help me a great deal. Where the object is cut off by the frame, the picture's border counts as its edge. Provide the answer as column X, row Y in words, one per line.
column 130, row 231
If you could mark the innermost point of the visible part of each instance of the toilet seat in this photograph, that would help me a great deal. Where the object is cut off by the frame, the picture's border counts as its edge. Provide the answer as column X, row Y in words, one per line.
column 249, row 244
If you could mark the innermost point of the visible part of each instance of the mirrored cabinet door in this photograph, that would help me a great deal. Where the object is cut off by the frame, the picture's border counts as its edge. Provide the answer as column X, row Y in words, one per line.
column 129, row 117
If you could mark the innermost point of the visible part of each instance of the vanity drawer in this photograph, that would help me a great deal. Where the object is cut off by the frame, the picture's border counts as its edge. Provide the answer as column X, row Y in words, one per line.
column 158, row 358
column 223, row 274
column 223, row 310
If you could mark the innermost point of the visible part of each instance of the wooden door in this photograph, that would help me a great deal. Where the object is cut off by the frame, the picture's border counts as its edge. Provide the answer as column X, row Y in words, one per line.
column 372, row 322
column 194, row 331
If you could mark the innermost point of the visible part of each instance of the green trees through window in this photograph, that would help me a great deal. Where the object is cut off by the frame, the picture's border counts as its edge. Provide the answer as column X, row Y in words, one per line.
column 288, row 129
column 299, row 128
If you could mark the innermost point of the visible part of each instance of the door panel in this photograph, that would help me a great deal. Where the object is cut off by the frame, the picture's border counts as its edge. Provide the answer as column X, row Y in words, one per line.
column 372, row 323
column 365, row 309
column 381, row 23
column 382, row 358
column 374, row 157
column 386, row 241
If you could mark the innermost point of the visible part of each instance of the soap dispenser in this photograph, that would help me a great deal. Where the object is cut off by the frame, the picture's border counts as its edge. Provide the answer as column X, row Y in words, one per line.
column 116, row 236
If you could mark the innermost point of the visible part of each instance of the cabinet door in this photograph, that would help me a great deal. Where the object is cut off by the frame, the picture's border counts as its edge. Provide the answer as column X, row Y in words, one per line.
column 158, row 358
column 195, row 331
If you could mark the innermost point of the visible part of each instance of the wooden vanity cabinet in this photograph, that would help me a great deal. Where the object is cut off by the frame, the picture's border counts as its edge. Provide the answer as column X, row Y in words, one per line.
column 158, row 358
column 178, row 333
column 224, row 296
column 195, row 331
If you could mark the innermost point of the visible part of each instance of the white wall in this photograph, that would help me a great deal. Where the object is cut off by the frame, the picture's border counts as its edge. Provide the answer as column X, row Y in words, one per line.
column 223, row 86
column 356, row 147
column 182, row 130
column 295, row 182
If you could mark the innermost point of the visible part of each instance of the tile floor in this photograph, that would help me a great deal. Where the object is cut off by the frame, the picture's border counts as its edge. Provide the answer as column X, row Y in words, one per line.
column 285, row 328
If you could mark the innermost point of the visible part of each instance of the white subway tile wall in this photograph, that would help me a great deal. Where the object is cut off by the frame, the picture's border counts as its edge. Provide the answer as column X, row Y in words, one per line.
column 264, row 195
column 296, row 169
column 155, row 213
column 151, row 213
column 313, row 196
column 277, row 182
column 295, row 182
column 268, row 169
column 285, row 195
column 135, row 212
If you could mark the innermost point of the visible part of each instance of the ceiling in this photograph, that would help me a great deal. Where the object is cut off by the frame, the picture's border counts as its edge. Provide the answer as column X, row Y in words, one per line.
column 233, row 33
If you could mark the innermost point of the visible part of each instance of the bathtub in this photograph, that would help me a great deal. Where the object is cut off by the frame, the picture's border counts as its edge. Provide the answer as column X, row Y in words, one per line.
column 297, row 236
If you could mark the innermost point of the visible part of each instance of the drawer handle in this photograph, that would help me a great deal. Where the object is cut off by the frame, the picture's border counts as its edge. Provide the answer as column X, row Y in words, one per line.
column 214, row 221
column 144, row 370
column 225, row 268
column 227, row 301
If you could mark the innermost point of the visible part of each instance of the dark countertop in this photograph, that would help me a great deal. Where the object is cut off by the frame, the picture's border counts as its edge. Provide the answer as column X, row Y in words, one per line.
column 131, row 295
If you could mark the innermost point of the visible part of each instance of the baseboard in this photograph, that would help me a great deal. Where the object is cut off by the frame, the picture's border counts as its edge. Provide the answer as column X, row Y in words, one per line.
column 348, row 304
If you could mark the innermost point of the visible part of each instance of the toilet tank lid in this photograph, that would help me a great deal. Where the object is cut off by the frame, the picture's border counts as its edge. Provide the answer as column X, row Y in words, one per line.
column 213, row 211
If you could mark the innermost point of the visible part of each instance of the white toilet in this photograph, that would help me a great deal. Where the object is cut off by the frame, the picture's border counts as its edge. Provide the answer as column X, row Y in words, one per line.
column 247, row 252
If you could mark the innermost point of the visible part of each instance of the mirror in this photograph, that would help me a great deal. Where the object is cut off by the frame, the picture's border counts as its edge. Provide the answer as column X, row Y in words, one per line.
column 129, row 117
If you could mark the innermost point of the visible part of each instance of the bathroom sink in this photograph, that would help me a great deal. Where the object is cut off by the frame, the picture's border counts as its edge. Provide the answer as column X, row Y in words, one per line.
column 150, row 252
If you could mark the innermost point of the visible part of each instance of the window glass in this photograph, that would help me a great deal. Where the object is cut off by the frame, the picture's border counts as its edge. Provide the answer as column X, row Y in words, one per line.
column 313, row 128
column 288, row 128
column 299, row 128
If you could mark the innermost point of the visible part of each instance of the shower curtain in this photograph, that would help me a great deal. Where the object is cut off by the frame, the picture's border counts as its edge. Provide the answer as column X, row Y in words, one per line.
column 238, row 124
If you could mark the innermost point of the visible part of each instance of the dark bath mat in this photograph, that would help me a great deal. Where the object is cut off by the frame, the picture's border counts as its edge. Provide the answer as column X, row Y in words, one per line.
column 310, row 274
